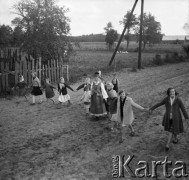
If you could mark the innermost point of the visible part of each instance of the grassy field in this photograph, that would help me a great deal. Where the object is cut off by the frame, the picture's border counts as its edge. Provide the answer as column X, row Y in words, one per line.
column 94, row 56
column 161, row 48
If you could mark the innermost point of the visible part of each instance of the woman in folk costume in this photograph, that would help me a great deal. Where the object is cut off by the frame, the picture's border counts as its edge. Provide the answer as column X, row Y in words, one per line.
column 115, row 82
column 21, row 86
column 172, row 120
column 49, row 92
column 125, row 114
column 63, row 94
column 111, row 102
column 98, row 97
column 36, row 91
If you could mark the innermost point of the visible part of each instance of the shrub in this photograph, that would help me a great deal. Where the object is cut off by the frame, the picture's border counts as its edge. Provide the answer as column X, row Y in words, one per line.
column 186, row 49
column 158, row 60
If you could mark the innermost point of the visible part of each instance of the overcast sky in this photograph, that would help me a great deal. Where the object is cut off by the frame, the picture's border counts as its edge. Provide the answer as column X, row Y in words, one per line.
column 91, row 16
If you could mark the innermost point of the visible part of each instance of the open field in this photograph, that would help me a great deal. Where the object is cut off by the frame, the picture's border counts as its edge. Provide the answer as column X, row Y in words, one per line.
column 42, row 142
column 158, row 48
column 88, row 61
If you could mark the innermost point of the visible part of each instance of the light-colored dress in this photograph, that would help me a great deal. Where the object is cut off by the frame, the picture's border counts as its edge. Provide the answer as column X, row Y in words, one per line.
column 128, row 115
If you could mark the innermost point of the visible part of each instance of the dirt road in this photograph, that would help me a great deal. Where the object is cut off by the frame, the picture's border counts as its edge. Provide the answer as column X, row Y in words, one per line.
column 43, row 142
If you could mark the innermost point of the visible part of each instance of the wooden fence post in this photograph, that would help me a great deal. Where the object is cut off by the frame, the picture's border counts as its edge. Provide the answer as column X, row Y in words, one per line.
column 40, row 69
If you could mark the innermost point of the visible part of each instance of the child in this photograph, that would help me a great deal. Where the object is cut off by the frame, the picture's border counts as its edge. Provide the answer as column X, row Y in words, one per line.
column 115, row 82
column 63, row 94
column 111, row 101
column 87, row 98
column 125, row 114
column 36, row 91
column 85, row 85
column 98, row 97
column 172, row 120
column 49, row 90
column 21, row 86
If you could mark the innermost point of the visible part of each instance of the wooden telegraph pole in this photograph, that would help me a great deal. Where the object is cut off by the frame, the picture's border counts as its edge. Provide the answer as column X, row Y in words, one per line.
column 126, row 26
column 140, row 37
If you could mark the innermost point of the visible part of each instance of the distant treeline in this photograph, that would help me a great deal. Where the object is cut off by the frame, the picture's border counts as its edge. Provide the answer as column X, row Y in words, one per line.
column 95, row 38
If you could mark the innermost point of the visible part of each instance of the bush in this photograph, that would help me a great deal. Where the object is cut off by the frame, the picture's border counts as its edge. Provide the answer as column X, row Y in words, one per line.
column 186, row 49
column 158, row 60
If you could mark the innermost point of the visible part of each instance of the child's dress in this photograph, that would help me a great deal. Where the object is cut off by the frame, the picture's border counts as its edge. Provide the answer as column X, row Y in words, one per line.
column 87, row 99
column 36, row 91
column 21, row 88
column 63, row 94
column 125, row 114
column 49, row 91
column 112, row 103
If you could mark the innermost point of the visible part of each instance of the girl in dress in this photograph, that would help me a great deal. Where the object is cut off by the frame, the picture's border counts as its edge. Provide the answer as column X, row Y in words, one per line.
column 49, row 92
column 98, row 97
column 36, row 91
column 172, row 120
column 63, row 94
column 115, row 82
column 111, row 101
column 125, row 114
column 21, row 85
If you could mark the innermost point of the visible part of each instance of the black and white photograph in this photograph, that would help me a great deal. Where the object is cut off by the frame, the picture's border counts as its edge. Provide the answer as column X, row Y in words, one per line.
column 94, row 89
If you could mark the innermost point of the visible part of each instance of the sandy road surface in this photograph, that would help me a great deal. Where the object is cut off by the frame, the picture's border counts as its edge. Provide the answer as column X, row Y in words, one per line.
column 43, row 142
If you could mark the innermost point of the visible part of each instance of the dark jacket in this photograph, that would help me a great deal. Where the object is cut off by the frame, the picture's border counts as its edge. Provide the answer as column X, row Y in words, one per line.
column 176, row 114
column 64, row 89
column 84, row 86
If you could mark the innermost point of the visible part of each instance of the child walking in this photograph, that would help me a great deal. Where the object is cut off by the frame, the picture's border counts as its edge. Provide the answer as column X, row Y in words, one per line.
column 111, row 101
column 49, row 92
column 172, row 120
column 21, row 85
column 36, row 91
column 125, row 114
column 85, row 85
column 115, row 82
column 87, row 98
column 63, row 94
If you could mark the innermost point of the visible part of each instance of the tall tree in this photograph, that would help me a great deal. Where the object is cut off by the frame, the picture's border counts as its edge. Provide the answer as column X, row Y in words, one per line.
column 17, row 36
column 151, row 30
column 132, row 24
column 111, row 35
column 5, row 36
column 45, row 25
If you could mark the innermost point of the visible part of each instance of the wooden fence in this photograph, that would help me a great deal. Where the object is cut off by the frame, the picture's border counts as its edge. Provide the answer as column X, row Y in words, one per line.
column 15, row 62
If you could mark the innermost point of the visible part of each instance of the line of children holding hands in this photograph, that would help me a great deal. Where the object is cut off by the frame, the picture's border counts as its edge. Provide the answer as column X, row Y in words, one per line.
column 101, row 98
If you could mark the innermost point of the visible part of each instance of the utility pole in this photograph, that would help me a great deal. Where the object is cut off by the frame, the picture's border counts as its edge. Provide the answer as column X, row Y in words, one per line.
column 140, row 37
column 126, row 26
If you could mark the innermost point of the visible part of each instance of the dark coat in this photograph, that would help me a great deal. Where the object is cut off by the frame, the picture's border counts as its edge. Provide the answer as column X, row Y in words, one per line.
column 63, row 90
column 49, row 90
column 177, row 107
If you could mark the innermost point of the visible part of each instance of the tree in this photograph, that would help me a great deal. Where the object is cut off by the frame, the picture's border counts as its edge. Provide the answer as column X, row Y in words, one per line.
column 45, row 27
column 17, row 36
column 5, row 36
column 132, row 24
column 111, row 35
column 151, row 30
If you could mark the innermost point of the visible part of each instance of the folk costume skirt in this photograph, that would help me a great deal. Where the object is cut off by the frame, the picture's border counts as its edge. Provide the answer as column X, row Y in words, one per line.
column 63, row 98
column 36, row 91
column 97, row 105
